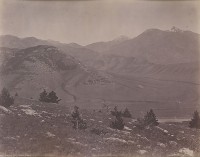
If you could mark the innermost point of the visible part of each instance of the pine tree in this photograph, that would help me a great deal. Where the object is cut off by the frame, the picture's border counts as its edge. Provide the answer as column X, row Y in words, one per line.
column 127, row 113
column 195, row 121
column 16, row 94
column 43, row 96
column 115, row 111
column 118, row 123
column 150, row 119
column 52, row 97
column 5, row 99
column 77, row 121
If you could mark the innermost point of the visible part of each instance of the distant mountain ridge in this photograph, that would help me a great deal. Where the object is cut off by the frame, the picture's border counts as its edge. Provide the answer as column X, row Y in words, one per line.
column 105, row 46
column 153, row 45
column 149, row 53
column 162, row 47
column 16, row 42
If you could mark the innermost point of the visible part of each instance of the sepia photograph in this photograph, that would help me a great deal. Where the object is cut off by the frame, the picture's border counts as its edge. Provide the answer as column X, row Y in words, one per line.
column 99, row 78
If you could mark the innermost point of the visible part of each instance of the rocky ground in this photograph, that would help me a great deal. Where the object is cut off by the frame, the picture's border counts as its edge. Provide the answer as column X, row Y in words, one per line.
column 30, row 127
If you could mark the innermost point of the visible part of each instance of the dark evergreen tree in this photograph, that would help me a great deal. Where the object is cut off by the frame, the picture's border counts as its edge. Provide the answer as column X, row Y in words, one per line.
column 195, row 121
column 118, row 123
column 52, row 97
column 127, row 113
column 77, row 121
column 150, row 119
column 6, row 99
column 115, row 111
column 16, row 94
column 43, row 96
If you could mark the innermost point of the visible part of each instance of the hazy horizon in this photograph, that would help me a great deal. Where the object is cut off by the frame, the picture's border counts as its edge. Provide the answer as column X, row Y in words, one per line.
column 85, row 22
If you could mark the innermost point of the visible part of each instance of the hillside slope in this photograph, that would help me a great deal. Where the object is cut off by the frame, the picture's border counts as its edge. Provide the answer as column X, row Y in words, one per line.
column 162, row 47
column 80, row 52
column 31, row 127
column 29, row 71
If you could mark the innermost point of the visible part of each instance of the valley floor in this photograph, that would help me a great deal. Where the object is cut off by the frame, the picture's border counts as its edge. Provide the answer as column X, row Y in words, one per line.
column 30, row 127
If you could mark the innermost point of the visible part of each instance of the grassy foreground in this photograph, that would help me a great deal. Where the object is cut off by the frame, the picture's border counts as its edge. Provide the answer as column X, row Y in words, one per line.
column 32, row 128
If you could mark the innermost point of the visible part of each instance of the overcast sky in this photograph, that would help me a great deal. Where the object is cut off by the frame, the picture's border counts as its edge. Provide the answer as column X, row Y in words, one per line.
column 87, row 21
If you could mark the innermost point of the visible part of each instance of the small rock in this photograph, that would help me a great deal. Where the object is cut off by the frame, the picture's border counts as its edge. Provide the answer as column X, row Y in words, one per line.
column 127, row 128
column 173, row 143
column 186, row 151
column 142, row 152
column 161, row 144
column 50, row 134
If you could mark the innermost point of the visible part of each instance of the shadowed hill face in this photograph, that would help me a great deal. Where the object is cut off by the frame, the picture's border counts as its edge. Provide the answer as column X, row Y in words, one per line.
column 83, row 54
column 29, row 71
column 6, row 53
column 49, row 55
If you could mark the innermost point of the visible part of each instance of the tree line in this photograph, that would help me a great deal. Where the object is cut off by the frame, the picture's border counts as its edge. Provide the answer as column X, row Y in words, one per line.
column 150, row 119
column 50, row 97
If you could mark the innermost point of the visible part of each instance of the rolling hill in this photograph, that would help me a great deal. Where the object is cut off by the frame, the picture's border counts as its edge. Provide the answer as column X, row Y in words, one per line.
column 72, row 49
column 28, row 71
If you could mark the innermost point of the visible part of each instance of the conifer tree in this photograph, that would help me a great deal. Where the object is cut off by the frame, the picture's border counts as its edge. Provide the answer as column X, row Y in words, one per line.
column 118, row 123
column 77, row 121
column 16, row 94
column 52, row 97
column 127, row 113
column 150, row 119
column 6, row 99
column 44, row 96
column 195, row 121
column 115, row 111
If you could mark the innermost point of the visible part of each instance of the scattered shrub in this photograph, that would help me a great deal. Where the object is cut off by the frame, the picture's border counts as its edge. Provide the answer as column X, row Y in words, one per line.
column 140, row 123
column 98, row 131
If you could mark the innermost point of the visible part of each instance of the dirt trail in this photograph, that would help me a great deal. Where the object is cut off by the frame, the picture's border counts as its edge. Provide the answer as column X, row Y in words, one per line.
column 63, row 86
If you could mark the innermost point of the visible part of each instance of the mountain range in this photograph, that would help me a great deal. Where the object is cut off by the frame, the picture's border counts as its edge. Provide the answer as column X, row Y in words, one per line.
column 158, row 69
